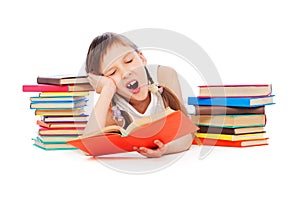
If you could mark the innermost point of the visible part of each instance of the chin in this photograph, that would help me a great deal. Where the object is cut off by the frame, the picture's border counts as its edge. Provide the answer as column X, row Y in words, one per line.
column 140, row 96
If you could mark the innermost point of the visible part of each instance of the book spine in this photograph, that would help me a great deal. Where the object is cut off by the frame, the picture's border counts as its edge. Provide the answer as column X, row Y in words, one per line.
column 52, row 81
column 212, row 110
column 225, row 143
column 243, row 85
column 209, row 129
column 215, row 101
column 45, row 88
column 63, row 94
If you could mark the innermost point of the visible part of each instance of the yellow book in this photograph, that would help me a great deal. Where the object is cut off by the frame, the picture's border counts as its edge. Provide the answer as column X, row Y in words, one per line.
column 61, row 139
column 251, row 136
column 48, row 132
column 66, row 112
column 63, row 94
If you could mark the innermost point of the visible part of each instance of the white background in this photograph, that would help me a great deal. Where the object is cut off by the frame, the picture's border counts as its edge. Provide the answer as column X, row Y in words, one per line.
column 248, row 41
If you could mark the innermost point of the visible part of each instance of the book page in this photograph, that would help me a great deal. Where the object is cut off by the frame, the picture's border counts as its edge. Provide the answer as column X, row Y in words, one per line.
column 113, row 129
column 150, row 119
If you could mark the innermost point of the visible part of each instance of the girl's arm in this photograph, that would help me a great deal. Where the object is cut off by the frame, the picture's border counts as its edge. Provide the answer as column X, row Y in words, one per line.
column 168, row 77
column 101, row 114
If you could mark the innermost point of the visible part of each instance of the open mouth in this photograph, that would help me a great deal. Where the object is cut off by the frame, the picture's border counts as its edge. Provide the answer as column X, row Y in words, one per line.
column 133, row 86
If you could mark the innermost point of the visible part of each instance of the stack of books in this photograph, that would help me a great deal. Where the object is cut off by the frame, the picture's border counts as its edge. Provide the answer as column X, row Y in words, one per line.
column 231, row 115
column 60, row 106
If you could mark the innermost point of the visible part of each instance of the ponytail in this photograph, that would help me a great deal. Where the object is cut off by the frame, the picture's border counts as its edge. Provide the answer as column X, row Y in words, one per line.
column 171, row 100
column 169, row 97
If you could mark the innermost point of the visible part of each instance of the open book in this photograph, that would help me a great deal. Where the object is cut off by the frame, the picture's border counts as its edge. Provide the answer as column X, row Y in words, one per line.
column 138, row 123
column 165, row 126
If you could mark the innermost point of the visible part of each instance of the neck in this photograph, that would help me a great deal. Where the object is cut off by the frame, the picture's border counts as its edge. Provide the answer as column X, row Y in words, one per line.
column 141, row 106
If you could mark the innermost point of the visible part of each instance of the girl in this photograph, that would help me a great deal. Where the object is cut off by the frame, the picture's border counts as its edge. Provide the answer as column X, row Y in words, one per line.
column 117, row 71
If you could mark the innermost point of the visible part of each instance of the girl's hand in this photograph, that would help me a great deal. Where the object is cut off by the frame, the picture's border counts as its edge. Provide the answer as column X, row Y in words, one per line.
column 100, row 82
column 152, row 153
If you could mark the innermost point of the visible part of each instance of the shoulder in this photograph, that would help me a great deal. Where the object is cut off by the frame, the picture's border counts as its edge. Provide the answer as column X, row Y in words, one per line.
column 165, row 69
column 166, row 74
column 167, row 77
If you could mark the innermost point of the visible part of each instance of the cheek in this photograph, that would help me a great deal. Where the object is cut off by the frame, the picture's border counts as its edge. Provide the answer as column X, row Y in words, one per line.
column 117, row 79
column 141, row 73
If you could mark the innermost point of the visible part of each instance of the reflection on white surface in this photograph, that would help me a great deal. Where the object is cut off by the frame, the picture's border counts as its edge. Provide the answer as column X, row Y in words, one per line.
column 134, row 163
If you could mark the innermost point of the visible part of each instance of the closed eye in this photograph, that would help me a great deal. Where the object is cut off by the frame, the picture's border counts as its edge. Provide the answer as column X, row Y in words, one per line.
column 112, row 73
column 128, row 61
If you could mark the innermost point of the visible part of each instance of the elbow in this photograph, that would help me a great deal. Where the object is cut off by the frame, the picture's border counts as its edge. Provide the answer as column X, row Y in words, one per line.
column 189, row 141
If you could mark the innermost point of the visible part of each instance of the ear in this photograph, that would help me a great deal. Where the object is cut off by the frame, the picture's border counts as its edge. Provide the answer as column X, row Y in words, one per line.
column 143, row 58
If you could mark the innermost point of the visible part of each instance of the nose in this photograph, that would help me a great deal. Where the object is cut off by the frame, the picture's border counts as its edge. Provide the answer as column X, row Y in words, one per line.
column 125, row 73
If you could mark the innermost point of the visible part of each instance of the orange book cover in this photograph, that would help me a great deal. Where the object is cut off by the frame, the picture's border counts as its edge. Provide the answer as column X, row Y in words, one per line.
column 167, row 128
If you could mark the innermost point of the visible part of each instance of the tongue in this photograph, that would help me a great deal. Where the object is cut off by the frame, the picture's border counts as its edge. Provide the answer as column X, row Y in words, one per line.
column 135, row 91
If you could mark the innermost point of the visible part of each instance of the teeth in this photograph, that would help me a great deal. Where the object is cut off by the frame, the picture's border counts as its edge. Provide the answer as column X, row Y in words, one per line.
column 131, row 84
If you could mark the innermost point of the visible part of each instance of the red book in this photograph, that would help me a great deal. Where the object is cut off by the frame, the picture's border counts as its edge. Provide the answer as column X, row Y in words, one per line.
column 207, row 91
column 57, row 88
column 166, row 128
column 227, row 143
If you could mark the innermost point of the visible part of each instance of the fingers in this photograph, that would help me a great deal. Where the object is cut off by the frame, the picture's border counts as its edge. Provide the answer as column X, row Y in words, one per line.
column 148, row 152
column 159, row 143
column 98, row 82
column 152, row 153
column 94, row 81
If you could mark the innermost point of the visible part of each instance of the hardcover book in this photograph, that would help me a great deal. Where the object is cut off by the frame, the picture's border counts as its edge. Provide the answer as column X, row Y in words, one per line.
column 76, row 118
column 63, row 94
column 58, row 99
column 55, row 139
column 57, row 88
column 251, row 136
column 62, row 79
column 57, row 105
column 230, row 121
column 165, row 126
column 213, row 110
column 65, row 112
column 232, row 131
column 60, row 131
column 235, row 90
column 52, row 146
column 61, row 124
column 232, row 101
column 226, row 143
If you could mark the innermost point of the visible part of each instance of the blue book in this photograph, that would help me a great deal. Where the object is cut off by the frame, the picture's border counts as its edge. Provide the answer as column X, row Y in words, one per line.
column 48, row 105
column 232, row 101
column 58, row 99
column 53, row 146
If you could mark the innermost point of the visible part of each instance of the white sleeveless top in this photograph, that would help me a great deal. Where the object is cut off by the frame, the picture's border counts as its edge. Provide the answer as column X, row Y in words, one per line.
column 156, row 104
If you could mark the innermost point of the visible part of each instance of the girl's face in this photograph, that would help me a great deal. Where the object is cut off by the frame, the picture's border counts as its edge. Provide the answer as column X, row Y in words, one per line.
column 126, row 67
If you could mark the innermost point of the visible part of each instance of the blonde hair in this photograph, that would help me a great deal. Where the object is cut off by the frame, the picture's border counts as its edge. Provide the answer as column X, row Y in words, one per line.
column 98, row 48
